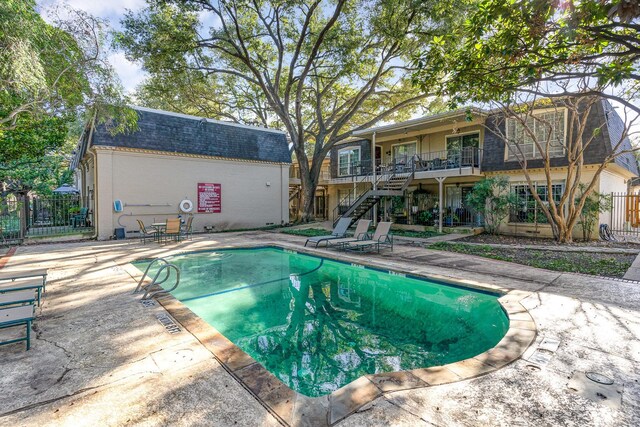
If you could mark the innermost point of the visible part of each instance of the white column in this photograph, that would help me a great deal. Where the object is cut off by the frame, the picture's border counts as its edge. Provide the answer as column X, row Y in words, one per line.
column 440, row 180
column 373, row 169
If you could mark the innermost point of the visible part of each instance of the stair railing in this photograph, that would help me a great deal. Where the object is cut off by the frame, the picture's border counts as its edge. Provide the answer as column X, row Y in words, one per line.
column 363, row 185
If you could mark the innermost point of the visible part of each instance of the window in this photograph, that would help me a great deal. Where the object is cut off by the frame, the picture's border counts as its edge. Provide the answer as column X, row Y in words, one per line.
column 463, row 149
column 548, row 128
column 348, row 161
column 402, row 153
column 527, row 209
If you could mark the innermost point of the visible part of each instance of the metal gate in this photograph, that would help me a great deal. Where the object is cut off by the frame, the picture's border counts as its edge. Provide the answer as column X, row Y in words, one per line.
column 10, row 224
column 624, row 216
column 34, row 216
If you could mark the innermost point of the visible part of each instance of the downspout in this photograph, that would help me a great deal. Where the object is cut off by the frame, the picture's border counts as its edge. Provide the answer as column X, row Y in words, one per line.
column 95, row 178
column 281, row 198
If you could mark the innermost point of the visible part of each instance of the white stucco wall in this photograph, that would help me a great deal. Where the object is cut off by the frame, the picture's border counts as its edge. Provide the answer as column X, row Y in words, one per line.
column 151, row 186
column 610, row 182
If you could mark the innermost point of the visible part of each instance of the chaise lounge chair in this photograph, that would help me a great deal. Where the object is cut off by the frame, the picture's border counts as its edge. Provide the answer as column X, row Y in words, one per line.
column 17, row 316
column 381, row 237
column 361, row 233
column 340, row 230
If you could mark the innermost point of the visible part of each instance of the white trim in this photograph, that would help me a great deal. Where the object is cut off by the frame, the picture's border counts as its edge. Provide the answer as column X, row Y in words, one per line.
column 221, row 122
column 535, row 112
column 350, row 148
column 423, row 120
column 453, row 135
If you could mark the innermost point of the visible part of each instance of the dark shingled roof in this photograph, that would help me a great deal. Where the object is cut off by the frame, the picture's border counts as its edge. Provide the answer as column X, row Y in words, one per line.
column 615, row 129
column 178, row 133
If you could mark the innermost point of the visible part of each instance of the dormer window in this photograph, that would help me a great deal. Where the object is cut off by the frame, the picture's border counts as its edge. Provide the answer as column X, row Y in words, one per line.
column 549, row 128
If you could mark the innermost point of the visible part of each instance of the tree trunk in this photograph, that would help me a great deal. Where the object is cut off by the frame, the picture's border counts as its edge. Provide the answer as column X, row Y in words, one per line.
column 307, row 193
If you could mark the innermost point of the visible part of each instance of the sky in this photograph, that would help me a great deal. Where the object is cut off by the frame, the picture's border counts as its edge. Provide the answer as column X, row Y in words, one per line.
column 112, row 11
column 131, row 74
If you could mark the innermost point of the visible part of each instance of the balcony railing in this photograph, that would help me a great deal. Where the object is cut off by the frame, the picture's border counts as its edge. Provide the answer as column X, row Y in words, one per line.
column 294, row 173
column 468, row 157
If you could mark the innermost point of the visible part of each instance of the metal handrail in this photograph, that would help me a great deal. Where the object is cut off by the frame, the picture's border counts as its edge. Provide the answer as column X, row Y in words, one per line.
column 140, row 285
column 168, row 267
column 351, row 196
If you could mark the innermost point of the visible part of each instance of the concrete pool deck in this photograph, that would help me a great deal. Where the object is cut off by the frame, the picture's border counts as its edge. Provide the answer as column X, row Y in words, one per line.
column 101, row 358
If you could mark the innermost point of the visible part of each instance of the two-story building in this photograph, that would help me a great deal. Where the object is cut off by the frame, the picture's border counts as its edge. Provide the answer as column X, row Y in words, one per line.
column 420, row 171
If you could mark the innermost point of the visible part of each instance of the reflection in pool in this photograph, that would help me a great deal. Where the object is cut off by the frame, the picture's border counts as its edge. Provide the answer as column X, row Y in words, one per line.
column 319, row 324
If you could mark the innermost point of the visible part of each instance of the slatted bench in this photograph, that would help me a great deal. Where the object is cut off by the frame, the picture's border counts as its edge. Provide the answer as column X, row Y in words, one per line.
column 17, row 316
column 35, row 285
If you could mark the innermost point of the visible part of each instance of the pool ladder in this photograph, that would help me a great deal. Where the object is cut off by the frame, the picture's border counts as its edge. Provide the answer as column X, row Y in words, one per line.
column 166, row 267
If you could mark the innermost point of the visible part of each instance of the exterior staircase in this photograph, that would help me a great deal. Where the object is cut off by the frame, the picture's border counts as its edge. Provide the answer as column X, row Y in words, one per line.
column 293, row 192
column 394, row 186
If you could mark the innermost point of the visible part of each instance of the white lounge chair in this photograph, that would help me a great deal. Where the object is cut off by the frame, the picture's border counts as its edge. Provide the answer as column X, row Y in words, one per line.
column 361, row 233
column 340, row 230
column 381, row 237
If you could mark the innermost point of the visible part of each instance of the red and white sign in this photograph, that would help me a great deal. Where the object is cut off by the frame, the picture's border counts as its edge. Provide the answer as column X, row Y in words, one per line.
column 209, row 198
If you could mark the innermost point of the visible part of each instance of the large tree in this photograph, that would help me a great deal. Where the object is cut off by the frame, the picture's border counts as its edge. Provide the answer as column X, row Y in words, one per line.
column 517, row 53
column 318, row 69
column 540, row 47
column 525, row 130
column 51, row 74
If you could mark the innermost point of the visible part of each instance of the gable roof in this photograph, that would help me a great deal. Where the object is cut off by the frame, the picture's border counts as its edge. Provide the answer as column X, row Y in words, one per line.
column 180, row 133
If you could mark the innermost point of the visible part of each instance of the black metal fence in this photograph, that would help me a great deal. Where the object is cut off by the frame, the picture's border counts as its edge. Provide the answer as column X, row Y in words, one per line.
column 10, row 225
column 624, row 216
column 33, row 216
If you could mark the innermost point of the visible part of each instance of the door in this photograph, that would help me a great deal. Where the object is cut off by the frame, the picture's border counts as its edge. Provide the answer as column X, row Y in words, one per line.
column 462, row 149
column 456, row 211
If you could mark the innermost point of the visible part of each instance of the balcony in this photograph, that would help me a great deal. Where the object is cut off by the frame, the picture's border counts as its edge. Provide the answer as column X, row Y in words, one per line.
column 465, row 162
column 294, row 176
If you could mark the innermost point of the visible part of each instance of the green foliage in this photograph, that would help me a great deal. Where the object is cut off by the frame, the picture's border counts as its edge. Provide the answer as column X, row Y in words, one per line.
column 505, row 46
column 37, row 175
column 317, row 70
column 599, row 264
column 50, row 76
column 594, row 204
column 306, row 232
column 491, row 198
column 425, row 234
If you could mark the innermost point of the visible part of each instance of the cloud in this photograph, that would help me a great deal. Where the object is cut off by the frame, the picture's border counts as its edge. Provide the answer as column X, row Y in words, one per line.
column 108, row 9
column 130, row 73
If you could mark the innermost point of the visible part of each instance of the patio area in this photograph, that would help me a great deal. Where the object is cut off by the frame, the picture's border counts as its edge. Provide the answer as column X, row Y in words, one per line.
column 102, row 358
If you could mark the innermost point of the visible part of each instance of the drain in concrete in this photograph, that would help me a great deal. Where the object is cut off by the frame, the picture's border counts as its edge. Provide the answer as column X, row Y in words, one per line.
column 599, row 378
column 589, row 386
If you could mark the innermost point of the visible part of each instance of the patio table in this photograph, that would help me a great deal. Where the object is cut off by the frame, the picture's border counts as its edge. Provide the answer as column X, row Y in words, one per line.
column 159, row 227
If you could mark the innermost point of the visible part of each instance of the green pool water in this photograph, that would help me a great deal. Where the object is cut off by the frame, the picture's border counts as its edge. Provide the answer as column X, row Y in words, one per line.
column 318, row 324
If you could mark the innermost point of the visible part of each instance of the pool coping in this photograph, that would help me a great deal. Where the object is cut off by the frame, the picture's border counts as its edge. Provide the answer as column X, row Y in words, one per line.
column 293, row 408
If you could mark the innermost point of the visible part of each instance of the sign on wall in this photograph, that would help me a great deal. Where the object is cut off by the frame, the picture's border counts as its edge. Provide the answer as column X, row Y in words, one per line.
column 209, row 198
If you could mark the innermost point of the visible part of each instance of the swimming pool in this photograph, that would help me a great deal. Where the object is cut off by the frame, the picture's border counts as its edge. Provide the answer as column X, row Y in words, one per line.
column 318, row 324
